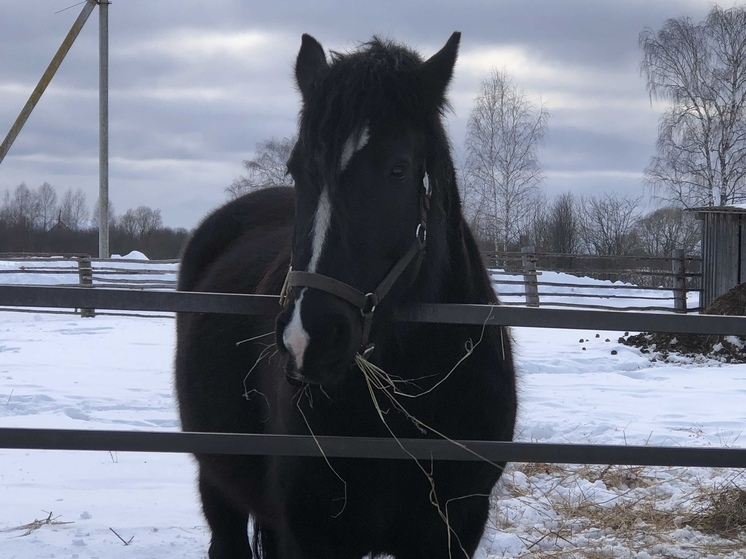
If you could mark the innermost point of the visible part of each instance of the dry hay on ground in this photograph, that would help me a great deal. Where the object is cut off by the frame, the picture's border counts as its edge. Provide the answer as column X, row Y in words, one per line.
column 727, row 349
column 562, row 511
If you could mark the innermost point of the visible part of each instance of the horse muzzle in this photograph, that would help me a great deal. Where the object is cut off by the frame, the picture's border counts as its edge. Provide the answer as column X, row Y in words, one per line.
column 318, row 335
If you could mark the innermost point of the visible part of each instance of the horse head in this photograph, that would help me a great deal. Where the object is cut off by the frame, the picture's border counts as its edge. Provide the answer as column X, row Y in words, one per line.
column 363, row 179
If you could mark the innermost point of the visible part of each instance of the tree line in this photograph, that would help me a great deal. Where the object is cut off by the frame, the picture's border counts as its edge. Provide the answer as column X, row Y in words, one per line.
column 698, row 68
column 38, row 220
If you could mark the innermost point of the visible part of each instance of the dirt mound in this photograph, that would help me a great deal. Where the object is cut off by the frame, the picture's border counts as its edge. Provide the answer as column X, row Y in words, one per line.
column 728, row 349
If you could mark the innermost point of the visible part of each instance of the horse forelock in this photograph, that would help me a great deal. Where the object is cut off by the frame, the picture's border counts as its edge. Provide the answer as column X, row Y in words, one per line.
column 360, row 89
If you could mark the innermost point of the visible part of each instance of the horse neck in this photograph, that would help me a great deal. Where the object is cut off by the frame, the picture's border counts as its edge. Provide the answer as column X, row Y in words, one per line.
column 452, row 272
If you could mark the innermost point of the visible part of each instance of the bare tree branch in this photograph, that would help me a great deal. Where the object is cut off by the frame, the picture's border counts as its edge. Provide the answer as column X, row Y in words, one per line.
column 502, row 173
column 700, row 69
column 268, row 168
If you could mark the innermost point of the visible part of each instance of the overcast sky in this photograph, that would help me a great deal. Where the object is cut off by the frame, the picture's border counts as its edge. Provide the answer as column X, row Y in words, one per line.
column 196, row 84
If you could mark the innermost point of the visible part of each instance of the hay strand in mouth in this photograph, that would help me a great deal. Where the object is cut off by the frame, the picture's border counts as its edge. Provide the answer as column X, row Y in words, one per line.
column 255, row 338
column 433, row 496
column 305, row 390
column 393, row 382
column 376, row 378
column 266, row 353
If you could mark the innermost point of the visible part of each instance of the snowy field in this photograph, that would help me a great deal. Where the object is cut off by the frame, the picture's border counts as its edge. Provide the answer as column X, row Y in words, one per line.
column 114, row 372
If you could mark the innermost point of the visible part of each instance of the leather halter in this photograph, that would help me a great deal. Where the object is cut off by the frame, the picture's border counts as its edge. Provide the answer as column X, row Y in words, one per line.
column 366, row 303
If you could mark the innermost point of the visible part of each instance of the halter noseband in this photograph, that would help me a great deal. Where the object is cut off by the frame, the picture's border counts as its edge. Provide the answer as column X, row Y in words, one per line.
column 366, row 303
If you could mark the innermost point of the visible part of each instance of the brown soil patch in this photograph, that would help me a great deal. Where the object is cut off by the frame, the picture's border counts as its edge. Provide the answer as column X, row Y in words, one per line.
column 727, row 349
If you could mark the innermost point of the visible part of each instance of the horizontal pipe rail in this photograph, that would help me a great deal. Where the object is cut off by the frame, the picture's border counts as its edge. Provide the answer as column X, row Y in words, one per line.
column 426, row 449
column 565, row 255
column 267, row 305
column 580, row 286
column 368, row 448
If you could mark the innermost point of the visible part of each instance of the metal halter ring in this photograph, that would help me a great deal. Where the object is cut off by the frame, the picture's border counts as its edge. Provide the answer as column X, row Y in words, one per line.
column 371, row 303
column 421, row 233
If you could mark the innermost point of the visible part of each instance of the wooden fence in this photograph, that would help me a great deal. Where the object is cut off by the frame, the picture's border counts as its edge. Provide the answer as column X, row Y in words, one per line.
column 86, row 271
column 525, row 278
column 80, row 269
column 646, row 283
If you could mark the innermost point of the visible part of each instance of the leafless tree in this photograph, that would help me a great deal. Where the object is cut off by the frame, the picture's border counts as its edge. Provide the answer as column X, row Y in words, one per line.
column 73, row 209
column 700, row 69
column 564, row 224
column 21, row 209
column 607, row 224
column 141, row 221
column 665, row 229
column 534, row 231
column 95, row 214
column 47, row 208
column 268, row 168
column 502, row 169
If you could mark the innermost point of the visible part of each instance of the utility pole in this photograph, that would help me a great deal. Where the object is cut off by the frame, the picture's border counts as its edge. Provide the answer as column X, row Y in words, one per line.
column 103, row 124
column 46, row 78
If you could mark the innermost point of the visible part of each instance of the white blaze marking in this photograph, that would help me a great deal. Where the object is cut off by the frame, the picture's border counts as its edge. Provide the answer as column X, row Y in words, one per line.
column 295, row 337
column 320, row 227
column 354, row 143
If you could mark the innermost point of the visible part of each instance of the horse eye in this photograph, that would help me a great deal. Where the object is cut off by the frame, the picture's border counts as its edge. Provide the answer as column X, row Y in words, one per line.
column 398, row 172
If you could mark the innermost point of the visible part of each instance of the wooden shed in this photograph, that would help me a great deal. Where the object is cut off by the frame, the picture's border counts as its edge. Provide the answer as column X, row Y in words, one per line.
column 723, row 250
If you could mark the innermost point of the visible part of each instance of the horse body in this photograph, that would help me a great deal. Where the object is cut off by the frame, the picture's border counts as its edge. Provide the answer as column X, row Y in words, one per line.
column 460, row 377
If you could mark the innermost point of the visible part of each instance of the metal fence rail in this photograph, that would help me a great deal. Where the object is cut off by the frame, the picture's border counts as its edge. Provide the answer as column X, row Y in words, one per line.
column 221, row 443
column 356, row 447
column 266, row 305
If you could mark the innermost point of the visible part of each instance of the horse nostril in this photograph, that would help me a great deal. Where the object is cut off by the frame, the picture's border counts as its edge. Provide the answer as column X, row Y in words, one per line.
column 339, row 335
column 330, row 343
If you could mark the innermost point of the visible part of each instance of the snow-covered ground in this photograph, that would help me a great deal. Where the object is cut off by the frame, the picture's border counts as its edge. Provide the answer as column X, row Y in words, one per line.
column 114, row 372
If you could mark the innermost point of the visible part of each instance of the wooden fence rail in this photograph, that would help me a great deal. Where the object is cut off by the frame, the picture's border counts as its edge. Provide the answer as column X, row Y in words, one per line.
column 663, row 288
column 677, row 275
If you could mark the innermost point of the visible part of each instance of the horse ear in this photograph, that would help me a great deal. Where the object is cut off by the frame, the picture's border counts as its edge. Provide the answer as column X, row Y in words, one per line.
column 435, row 73
column 310, row 64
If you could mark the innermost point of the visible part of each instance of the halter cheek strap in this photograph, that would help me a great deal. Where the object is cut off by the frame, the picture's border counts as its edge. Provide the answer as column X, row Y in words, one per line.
column 366, row 303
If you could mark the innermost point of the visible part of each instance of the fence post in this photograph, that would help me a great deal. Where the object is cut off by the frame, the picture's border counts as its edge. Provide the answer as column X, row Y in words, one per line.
column 85, row 277
column 679, row 280
column 531, row 284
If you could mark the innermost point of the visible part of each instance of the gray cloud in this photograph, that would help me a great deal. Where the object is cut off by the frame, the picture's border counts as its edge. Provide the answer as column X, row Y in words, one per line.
column 195, row 85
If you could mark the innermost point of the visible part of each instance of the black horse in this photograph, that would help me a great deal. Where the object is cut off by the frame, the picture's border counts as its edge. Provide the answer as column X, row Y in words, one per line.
column 373, row 226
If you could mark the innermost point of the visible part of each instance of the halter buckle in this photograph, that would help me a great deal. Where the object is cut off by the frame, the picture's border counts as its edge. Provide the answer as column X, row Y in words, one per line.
column 285, row 291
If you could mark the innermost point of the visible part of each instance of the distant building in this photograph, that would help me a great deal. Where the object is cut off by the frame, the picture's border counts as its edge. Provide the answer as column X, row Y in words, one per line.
column 60, row 226
column 723, row 250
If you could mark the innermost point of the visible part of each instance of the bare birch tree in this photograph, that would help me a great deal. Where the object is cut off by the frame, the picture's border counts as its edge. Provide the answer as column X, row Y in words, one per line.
column 564, row 224
column 47, row 208
column 20, row 209
column 140, row 221
column 700, row 69
column 607, row 224
column 502, row 169
column 74, row 209
column 268, row 168
column 665, row 229
column 96, row 213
